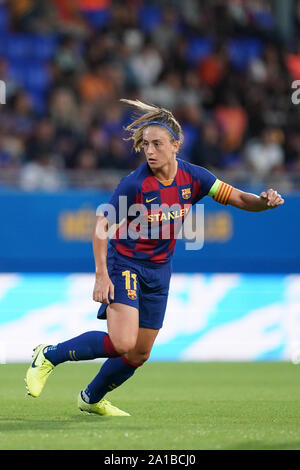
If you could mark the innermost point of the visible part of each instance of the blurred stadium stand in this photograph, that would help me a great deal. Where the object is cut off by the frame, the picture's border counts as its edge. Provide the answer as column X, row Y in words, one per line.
column 225, row 68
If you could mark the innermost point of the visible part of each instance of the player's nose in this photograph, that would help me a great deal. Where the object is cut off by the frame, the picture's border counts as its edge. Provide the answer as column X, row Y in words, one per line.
column 150, row 149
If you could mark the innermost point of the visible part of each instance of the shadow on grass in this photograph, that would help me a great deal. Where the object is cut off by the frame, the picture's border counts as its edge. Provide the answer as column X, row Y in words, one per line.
column 56, row 423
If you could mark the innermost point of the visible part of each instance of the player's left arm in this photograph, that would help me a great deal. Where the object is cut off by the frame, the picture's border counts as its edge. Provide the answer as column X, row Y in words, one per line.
column 226, row 194
column 251, row 202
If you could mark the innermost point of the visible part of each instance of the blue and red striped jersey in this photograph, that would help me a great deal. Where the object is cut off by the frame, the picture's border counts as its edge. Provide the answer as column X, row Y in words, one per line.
column 154, row 210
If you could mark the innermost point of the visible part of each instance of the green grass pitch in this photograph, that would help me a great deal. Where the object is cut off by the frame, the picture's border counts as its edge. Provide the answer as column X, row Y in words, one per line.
column 172, row 405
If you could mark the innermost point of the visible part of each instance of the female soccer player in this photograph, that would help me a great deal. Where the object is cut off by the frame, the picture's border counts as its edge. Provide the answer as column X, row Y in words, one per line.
column 133, row 274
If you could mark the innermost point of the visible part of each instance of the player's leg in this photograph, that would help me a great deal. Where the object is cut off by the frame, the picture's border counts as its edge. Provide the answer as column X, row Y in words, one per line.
column 122, row 321
column 142, row 349
column 122, row 333
column 92, row 344
column 123, row 327
column 114, row 373
column 153, row 293
column 87, row 346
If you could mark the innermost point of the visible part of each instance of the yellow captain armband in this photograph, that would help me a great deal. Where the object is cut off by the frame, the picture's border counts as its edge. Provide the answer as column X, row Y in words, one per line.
column 220, row 192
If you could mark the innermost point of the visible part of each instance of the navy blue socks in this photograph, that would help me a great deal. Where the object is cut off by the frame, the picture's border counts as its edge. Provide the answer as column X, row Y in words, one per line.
column 89, row 345
column 112, row 374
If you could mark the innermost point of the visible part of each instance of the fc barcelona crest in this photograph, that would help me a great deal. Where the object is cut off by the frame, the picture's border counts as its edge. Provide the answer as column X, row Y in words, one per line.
column 131, row 294
column 186, row 193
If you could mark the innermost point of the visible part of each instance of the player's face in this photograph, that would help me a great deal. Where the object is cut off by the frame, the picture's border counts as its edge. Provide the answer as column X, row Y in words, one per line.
column 158, row 147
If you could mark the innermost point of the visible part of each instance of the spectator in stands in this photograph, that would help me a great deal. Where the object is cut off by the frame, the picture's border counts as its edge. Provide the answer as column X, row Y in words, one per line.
column 97, row 52
column 69, row 57
column 264, row 155
column 11, row 151
column 23, row 119
column 96, row 84
column 43, row 139
column 87, row 160
column 146, row 65
column 165, row 33
column 192, row 92
column 206, row 150
column 67, row 145
column 190, row 116
column 42, row 174
column 292, row 151
column 212, row 69
column 117, row 156
column 166, row 92
column 232, row 118
column 64, row 110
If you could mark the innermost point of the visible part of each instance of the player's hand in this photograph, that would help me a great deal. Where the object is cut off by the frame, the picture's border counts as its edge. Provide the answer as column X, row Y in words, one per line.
column 103, row 289
column 271, row 198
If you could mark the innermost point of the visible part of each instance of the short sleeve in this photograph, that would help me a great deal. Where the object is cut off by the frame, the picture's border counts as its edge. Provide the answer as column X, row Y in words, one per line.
column 207, row 180
column 203, row 181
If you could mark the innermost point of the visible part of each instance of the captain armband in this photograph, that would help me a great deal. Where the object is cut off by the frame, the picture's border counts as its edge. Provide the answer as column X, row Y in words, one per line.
column 220, row 192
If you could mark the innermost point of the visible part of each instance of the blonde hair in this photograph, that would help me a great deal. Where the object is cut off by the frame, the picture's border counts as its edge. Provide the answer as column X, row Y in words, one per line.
column 151, row 113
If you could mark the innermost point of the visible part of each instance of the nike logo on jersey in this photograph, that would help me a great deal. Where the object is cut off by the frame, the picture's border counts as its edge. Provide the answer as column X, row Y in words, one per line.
column 150, row 200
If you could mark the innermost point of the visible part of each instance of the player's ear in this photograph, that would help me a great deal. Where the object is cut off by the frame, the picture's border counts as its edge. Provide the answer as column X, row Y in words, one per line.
column 176, row 145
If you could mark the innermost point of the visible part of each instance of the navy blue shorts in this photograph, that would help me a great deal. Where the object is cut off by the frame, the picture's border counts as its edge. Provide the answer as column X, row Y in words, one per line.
column 140, row 286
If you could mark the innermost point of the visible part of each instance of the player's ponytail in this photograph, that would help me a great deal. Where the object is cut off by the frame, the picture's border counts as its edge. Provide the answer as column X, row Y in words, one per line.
column 150, row 114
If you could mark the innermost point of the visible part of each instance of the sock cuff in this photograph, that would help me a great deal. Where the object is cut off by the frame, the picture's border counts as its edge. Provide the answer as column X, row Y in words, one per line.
column 129, row 363
column 108, row 347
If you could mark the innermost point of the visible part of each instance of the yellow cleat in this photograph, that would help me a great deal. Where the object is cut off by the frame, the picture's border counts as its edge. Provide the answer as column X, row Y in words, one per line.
column 103, row 408
column 39, row 371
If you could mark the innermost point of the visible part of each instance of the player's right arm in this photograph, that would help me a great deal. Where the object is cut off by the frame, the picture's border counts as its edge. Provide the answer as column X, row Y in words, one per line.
column 105, row 227
column 103, row 288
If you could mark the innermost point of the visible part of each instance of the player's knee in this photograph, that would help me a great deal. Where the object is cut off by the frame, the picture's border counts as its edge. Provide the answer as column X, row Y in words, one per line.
column 144, row 356
column 139, row 357
column 123, row 346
